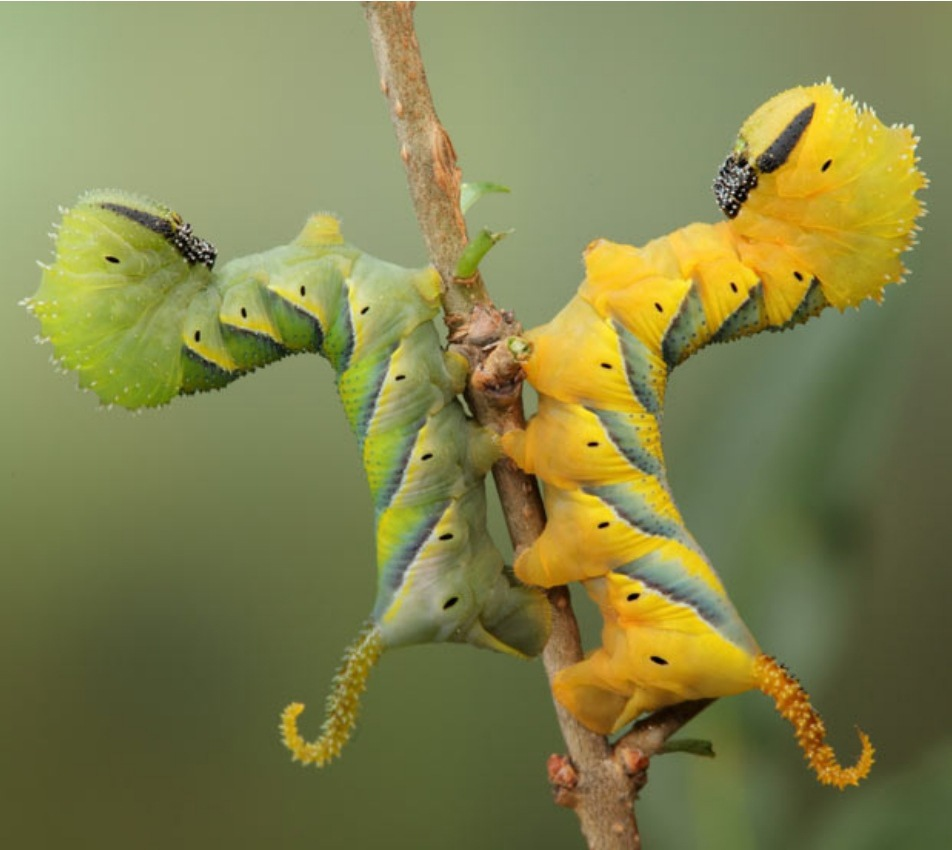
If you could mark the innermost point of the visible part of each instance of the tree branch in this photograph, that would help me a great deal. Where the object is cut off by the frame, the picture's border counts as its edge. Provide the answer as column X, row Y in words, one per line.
column 425, row 148
column 597, row 782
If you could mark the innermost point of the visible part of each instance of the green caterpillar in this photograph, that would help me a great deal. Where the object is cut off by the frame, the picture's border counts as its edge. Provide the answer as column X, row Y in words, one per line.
column 134, row 305
column 821, row 203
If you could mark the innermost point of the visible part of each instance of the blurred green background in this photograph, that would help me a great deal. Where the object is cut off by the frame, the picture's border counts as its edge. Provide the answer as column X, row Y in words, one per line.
column 171, row 580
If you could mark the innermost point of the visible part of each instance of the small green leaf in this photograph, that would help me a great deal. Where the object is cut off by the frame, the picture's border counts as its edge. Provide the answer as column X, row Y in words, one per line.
column 692, row 746
column 475, row 251
column 472, row 192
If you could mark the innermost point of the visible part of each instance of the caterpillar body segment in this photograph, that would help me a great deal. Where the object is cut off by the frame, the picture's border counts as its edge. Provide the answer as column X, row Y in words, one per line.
column 820, row 200
column 134, row 304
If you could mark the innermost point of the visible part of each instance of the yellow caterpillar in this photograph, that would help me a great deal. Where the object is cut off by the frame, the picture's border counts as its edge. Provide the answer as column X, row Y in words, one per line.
column 820, row 199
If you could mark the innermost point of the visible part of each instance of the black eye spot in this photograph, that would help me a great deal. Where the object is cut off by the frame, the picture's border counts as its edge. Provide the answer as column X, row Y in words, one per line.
column 364, row 311
column 733, row 287
column 450, row 602
column 631, row 597
column 593, row 444
column 427, row 456
column 244, row 313
column 446, row 536
column 659, row 660
column 826, row 165
column 198, row 336
column 658, row 307
column 303, row 290
column 400, row 377
column 606, row 365
column 604, row 524
column 798, row 276
column 110, row 259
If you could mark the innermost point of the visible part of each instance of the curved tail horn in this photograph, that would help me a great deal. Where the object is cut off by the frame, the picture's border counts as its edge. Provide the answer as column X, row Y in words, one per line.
column 793, row 703
column 342, row 706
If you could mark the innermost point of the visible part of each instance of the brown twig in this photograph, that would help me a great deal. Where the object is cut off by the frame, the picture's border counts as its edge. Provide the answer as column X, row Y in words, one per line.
column 650, row 734
column 598, row 786
column 425, row 148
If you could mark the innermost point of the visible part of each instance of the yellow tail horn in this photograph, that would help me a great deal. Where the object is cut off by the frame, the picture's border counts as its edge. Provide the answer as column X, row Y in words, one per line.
column 342, row 706
column 793, row 703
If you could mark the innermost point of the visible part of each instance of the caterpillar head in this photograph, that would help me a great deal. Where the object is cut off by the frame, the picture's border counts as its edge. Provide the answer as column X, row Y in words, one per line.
column 157, row 218
column 112, row 303
column 818, row 188
column 764, row 144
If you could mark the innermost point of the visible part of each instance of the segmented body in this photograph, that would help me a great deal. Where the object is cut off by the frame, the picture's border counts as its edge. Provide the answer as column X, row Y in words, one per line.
column 820, row 199
column 134, row 305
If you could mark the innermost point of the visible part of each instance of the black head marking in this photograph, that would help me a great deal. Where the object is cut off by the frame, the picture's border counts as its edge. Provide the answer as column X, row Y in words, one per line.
column 781, row 148
column 176, row 232
column 192, row 248
column 737, row 177
column 733, row 184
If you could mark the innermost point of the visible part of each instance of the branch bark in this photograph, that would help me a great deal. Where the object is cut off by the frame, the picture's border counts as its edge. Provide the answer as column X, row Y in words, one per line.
column 599, row 782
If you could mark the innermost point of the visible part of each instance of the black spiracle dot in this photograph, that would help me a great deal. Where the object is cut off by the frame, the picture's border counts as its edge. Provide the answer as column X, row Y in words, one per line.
column 604, row 524
column 303, row 290
column 606, row 365
column 364, row 311
column 798, row 276
column 593, row 444
column 198, row 336
column 427, row 456
column 733, row 287
column 111, row 259
column 826, row 165
column 631, row 597
column 450, row 602
column 659, row 660
column 244, row 313
column 447, row 536
column 399, row 377
column 658, row 307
